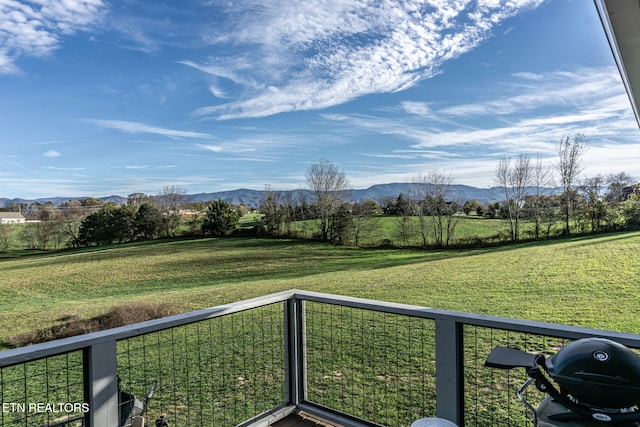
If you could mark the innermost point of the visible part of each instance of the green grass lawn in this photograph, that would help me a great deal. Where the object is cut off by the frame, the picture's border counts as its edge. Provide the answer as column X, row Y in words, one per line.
column 469, row 230
column 589, row 281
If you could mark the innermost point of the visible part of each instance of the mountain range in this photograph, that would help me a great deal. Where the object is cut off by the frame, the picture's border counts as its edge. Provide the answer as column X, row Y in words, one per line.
column 380, row 193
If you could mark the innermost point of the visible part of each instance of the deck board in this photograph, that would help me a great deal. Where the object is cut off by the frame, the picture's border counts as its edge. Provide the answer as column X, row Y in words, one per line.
column 302, row 419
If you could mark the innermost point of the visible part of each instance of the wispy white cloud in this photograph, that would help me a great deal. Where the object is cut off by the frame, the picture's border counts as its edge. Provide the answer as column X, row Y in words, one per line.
column 417, row 108
column 625, row 157
column 310, row 55
column 529, row 76
column 413, row 154
column 212, row 148
column 52, row 153
column 517, row 119
column 145, row 167
column 137, row 128
column 217, row 92
column 49, row 186
column 231, row 70
column 228, row 148
column 36, row 28
column 64, row 169
column 559, row 88
column 136, row 37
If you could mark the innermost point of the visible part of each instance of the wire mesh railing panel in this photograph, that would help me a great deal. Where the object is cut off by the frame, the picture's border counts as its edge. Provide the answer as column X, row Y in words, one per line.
column 43, row 392
column 221, row 371
column 369, row 360
column 371, row 365
column 490, row 394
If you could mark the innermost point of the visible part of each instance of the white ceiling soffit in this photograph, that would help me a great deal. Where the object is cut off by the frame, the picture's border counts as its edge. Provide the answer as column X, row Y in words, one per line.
column 621, row 23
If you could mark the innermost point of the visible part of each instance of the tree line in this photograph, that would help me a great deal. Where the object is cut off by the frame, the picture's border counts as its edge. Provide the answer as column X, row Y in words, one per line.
column 428, row 212
column 91, row 221
column 147, row 221
column 585, row 204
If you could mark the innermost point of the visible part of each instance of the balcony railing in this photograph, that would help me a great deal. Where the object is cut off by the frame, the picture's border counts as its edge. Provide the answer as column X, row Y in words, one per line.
column 351, row 361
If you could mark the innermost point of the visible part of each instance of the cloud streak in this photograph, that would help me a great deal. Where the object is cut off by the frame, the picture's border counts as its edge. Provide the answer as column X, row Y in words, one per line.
column 142, row 128
column 313, row 56
column 554, row 89
column 518, row 119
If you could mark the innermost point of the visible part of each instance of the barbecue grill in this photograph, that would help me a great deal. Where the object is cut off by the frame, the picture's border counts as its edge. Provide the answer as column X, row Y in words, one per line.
column 595, row 379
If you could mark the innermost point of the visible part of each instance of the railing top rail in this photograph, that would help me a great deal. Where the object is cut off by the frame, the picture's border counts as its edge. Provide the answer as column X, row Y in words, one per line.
column 39, row 351
column 66, row 345
column 511, row 324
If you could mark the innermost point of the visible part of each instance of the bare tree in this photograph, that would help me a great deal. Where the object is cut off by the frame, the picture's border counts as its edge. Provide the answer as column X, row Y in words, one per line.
column 364, row 217
column 514, row 178
column 405, row 207
column 439, row 207
column 289, row 211
column 570, row 152
column 595, row 209
column 302, row 211
column 419, row 194
column 616, row 182
column 331, row 188
column 137, row 199
column 171, row 198
column 540, row 179
column 503, row 179
column 72, row 213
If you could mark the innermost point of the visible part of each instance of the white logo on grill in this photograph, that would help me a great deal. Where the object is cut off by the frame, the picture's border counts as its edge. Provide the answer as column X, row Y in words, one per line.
column 600, row 356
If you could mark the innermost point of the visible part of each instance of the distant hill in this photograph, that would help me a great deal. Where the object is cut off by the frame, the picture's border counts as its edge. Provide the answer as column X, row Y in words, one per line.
column 242, row 196
column 247, row 197
column 378, row 192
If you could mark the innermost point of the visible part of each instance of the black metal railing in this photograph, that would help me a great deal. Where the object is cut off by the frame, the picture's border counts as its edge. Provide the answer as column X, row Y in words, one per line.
column 216, row 372
column 353, row 361
column 372, row 365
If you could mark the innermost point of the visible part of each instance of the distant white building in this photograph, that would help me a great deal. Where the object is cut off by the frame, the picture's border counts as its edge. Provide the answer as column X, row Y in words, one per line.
column 11, row 218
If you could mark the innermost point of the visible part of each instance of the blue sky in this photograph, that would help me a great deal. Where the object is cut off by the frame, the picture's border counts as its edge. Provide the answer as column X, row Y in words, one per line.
column 102, row 97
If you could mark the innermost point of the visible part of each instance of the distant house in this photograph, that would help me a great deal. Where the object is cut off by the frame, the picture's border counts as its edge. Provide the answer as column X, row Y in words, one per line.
column 628, row 191
column 11, row 218
column 188, row 213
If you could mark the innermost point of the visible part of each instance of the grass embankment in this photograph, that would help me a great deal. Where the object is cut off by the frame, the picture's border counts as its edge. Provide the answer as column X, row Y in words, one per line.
column 590, row 281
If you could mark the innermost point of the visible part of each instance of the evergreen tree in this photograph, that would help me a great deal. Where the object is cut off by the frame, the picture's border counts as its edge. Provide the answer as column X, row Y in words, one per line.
column 221, row 219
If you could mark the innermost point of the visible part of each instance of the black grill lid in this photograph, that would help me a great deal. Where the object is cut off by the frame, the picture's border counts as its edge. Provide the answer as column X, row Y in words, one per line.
column 598, row 372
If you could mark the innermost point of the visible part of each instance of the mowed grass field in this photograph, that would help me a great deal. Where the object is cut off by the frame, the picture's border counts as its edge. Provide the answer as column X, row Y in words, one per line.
column 587, row 281
column 469, row 229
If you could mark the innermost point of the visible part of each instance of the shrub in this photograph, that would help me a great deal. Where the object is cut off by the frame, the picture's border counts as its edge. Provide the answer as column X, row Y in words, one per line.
column 120, row 315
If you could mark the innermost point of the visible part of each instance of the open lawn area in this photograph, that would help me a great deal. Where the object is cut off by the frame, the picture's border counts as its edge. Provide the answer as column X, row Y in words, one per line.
column 588, row 281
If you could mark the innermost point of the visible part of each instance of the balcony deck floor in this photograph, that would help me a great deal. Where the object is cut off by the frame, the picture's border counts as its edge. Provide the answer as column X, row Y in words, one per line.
column 301, row 419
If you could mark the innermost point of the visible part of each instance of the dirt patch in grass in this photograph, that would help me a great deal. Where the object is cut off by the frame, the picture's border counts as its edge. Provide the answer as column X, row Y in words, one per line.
column 120, row 315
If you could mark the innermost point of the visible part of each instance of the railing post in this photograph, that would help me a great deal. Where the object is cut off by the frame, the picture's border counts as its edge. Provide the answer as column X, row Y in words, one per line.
column 101, row 384
column 449, row 371
column 294, row 342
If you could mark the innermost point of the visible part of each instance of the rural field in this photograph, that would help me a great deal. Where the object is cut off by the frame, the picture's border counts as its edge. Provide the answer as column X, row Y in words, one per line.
column 587, row 281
